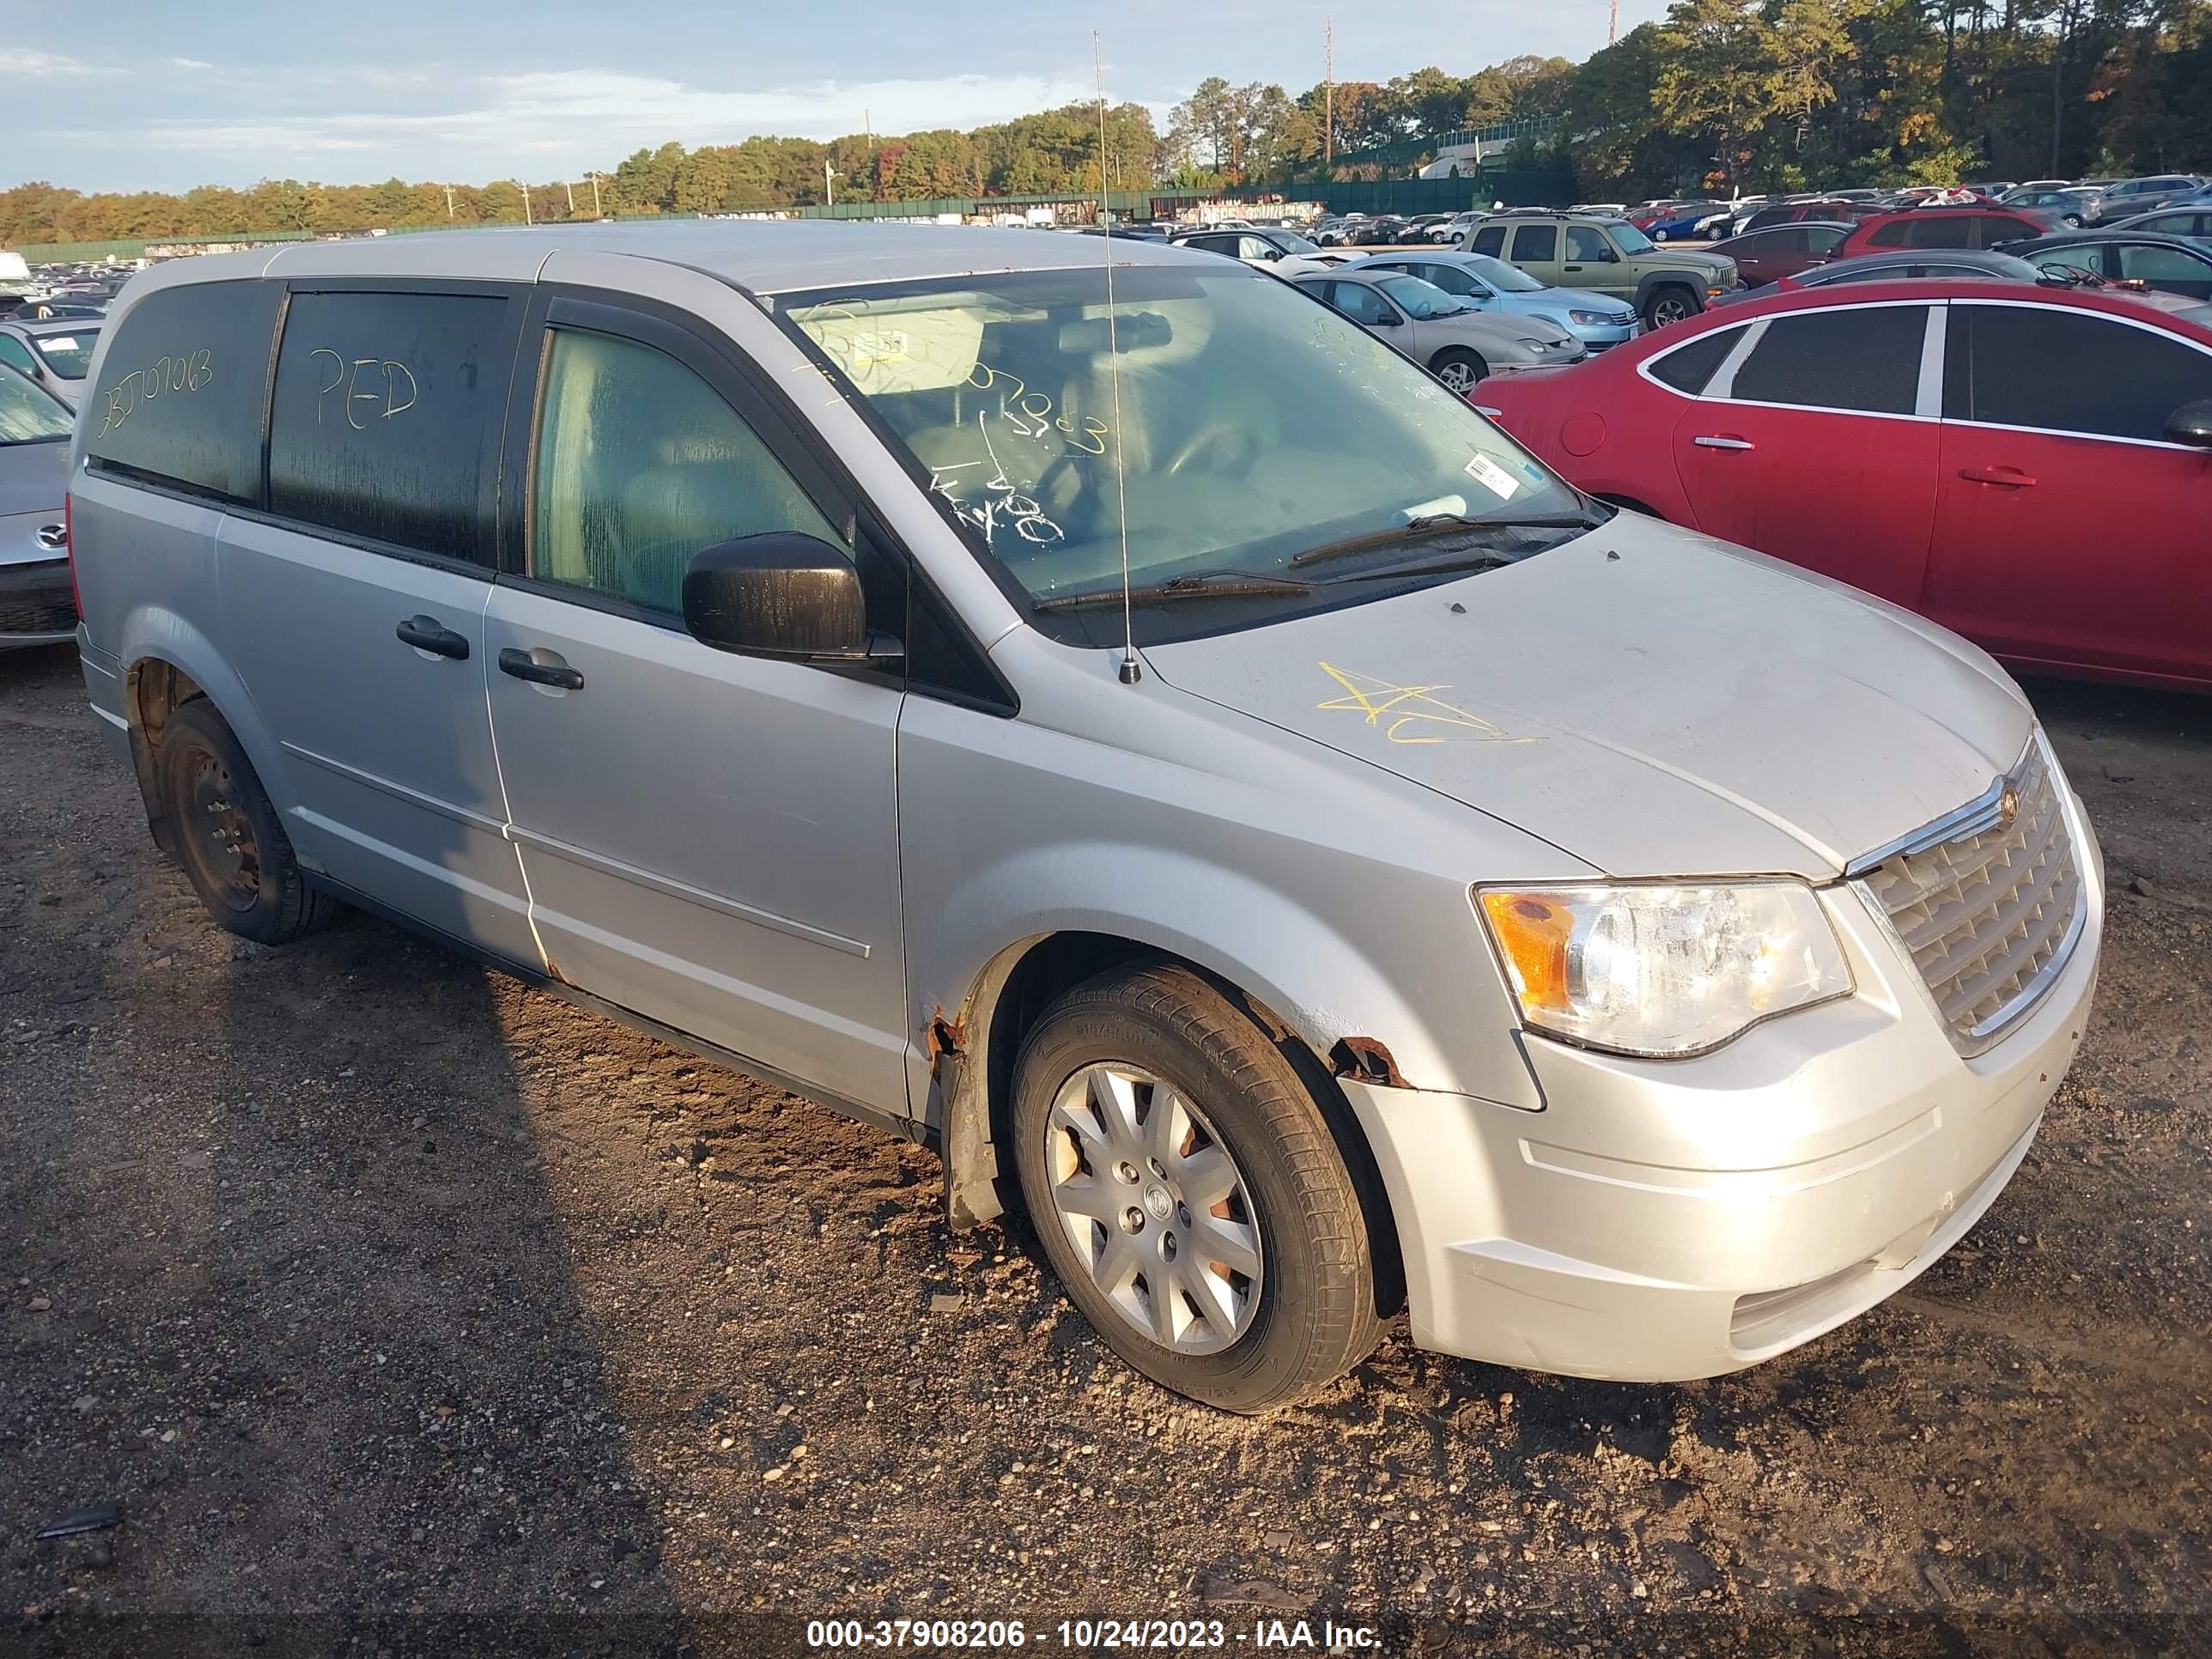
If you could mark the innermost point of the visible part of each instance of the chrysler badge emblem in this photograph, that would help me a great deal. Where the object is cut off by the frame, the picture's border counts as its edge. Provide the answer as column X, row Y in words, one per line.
column 2008, row 805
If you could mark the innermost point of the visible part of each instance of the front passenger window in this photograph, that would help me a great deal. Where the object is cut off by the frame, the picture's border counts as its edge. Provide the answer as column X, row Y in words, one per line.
column 640, row 465
column 1586, row 245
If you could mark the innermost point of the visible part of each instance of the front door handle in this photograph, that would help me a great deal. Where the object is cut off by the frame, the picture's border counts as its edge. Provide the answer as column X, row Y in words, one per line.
column 1723, row 441
column 524, row 666
column 2011, row 478
column 428, row 633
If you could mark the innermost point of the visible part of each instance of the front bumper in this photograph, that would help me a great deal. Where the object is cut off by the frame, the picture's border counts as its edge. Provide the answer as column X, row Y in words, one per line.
column 1603, row 338
column 1658, row 1221
column 36, row 604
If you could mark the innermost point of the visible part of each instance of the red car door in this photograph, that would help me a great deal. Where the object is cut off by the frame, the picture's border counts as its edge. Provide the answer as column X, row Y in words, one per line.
column 1816, row 442
column 2067, row 532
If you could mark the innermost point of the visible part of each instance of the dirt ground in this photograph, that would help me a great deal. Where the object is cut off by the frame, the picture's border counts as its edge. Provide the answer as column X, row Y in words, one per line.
column 406, row 1310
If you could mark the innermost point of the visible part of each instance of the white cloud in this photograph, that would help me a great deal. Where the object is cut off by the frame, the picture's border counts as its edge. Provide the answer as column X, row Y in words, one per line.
column 36, row 63
column 191, row 63
column 587, row 116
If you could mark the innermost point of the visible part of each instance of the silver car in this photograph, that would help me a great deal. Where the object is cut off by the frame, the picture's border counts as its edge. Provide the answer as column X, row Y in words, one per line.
column 1166, row 751
column 1598, row 320
column 1459, row 345
column 54, row 353
column 36, row 606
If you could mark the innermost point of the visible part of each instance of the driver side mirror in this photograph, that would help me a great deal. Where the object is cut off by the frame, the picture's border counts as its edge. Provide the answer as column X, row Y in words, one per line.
column 2192, row 424
column 1385, row 320
column 781, row 595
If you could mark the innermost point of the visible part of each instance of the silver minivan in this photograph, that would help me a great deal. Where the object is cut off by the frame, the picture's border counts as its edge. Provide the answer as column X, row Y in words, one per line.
column 1125, row 726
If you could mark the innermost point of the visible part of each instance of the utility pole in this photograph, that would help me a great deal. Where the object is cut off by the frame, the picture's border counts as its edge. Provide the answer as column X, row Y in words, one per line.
column 828, row 186
column 1328, row 94
column 527, row 217
column 594, row 178
column 571, row 189
column 1613, row 22
column 448, row 189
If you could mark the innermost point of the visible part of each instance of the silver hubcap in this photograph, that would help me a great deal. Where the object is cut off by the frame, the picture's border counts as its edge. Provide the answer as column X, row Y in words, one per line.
column 1155, row 1207
column 1458, row 376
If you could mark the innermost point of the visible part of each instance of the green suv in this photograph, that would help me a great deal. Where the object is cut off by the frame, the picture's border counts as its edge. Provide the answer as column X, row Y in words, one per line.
column 1575, row 249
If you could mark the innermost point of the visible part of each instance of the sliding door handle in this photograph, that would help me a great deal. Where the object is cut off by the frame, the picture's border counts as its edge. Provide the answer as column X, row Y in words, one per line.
column 428, row 633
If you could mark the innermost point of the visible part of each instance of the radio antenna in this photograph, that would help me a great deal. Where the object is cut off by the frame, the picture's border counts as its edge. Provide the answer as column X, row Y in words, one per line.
column 1131, row 671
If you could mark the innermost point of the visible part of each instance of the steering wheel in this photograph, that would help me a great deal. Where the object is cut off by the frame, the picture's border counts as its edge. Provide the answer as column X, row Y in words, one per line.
column 1222, row 431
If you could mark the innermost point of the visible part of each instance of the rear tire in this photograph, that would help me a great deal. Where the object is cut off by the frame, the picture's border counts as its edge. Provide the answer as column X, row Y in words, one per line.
column 1240, row 1208
column 1458, row 367
column 229, row 838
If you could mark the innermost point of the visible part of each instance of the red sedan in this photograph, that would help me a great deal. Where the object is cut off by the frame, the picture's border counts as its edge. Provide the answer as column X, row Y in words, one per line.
column 1941, row 227
column 2031, row 467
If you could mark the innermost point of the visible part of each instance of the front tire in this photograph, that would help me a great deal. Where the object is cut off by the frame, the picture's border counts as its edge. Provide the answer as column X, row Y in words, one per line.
column 229, row 838
column 1459, row 369
column 1189, row 1193
column 1670, row 304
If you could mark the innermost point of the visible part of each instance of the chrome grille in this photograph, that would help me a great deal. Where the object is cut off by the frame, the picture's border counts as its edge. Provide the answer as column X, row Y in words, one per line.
column 1989, row 911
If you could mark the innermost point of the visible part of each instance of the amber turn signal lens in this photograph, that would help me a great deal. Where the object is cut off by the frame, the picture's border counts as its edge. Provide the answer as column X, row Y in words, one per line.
column 1532, row 934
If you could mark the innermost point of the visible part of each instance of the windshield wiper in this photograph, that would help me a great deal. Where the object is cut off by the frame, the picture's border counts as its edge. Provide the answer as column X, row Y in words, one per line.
column 1442, row 524
column 1211, row 583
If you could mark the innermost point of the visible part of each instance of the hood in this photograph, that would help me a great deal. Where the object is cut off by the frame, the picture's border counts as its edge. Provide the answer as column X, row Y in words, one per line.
column 1556, row 302
column 1686, row 708
column 1668, row 253
column 1505, row 330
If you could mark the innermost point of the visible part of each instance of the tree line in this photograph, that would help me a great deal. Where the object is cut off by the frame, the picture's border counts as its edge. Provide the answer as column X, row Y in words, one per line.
column 1721, row 95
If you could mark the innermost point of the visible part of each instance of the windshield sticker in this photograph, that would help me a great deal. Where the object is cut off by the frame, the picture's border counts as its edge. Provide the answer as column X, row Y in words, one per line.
column 1493, row 477
column 1410, row 713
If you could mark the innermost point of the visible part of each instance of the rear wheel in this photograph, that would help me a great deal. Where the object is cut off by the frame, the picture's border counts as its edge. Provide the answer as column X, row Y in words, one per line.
column 1188, row 1193
column 233, row 845
column 1458, row 367
column 1670, row 304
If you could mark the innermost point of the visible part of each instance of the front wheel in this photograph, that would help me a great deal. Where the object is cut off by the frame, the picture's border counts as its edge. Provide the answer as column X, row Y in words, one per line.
column 1459, row 369
column 1189, row 1193
column 2073, row 220
column 1668, row 306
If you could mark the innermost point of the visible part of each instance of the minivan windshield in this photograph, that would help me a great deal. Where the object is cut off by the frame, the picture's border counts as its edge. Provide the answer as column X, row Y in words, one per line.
column 1247, row 424
column 1291, row 243
column 29, row 416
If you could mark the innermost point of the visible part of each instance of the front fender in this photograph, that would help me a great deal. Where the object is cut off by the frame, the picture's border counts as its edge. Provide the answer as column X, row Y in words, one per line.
column 1319, row 981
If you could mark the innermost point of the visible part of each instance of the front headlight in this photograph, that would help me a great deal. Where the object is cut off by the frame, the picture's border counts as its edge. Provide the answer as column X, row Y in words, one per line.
column 1595, row 319
column 1663, row 971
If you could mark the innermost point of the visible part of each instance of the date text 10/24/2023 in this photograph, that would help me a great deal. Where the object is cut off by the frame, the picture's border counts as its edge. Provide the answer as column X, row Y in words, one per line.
column 1094, row 1635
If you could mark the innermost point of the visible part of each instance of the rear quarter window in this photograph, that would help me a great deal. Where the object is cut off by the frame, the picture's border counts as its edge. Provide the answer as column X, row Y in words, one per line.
column 178, row 397
column 1687, row 369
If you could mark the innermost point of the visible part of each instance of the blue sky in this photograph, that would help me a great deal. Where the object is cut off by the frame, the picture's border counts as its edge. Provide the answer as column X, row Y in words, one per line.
column 135, row 96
